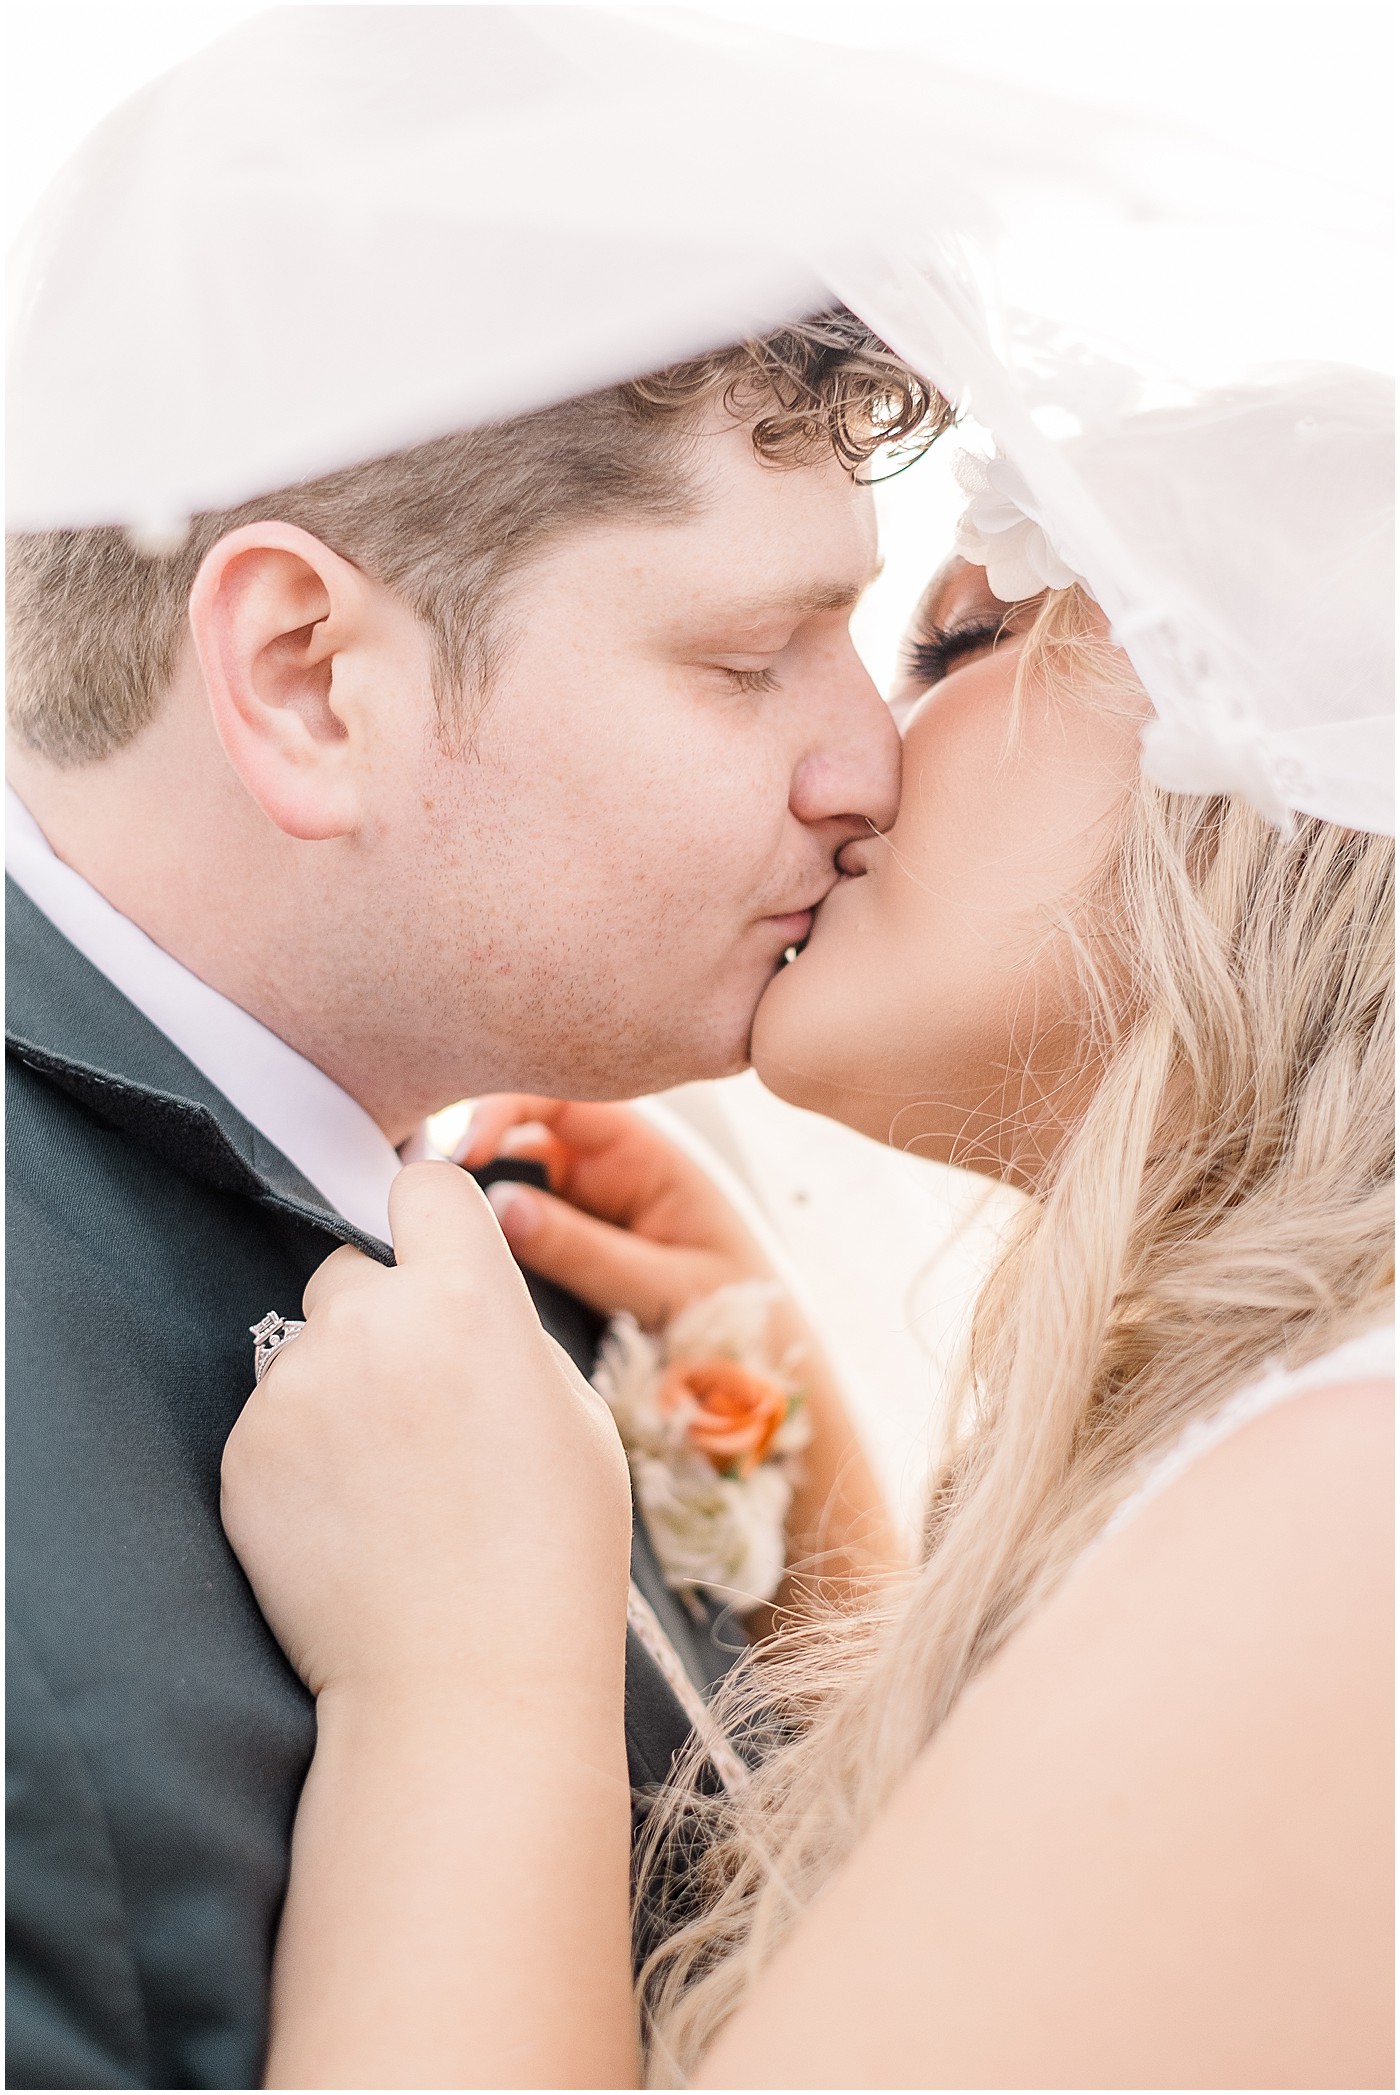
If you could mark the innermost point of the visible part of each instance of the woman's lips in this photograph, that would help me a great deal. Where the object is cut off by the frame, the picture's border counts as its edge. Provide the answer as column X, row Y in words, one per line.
column 814, row 916
column 853, row 859
column 794, row 927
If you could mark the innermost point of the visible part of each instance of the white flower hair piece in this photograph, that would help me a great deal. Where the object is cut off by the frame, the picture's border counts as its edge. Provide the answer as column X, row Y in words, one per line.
column 1001, row 531
column 712, row 1429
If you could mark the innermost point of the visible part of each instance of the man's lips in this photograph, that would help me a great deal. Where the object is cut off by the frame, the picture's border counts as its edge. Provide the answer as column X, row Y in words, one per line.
column 794, row 927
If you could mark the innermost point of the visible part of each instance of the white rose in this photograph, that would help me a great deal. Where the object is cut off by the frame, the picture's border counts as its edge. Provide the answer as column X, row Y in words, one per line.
column 723, row 1533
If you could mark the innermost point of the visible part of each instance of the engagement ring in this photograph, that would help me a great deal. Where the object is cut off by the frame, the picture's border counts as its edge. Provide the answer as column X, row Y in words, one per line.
column 269, row 1337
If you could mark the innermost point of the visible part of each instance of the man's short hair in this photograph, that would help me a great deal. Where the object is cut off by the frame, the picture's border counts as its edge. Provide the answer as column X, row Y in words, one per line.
column 96, row 623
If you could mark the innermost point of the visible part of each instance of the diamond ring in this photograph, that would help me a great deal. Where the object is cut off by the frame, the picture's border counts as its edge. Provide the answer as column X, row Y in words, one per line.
column 270, row 1335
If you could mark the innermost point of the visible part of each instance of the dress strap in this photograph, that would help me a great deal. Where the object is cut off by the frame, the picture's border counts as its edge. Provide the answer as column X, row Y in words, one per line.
column 1369, row 1357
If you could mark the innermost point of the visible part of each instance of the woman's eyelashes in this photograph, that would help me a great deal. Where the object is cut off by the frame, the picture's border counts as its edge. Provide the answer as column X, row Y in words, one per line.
column 936, row 653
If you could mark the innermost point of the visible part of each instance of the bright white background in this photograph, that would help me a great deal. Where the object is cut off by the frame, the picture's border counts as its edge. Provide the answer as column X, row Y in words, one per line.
column 889, row 1248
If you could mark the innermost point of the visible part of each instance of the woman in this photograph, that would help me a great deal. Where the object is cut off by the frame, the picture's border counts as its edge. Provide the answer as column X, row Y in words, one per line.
column 1096, row 1794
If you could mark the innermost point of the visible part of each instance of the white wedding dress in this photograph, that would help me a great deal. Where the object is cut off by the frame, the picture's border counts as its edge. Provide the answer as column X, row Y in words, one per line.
column 1368, row 1357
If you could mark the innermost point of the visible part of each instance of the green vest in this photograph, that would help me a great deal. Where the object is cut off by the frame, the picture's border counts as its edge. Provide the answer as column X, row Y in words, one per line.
column 156, row 1738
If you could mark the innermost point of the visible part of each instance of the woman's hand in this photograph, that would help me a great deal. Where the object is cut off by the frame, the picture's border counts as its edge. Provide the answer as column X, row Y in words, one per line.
column 423, row 1485
column 433, row 1509
column 631, row 1222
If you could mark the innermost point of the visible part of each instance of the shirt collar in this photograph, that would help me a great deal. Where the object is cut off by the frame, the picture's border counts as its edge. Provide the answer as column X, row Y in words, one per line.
column 330, row 1138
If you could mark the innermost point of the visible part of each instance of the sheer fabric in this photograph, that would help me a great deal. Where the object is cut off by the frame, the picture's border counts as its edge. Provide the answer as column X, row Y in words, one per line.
column 341, row 230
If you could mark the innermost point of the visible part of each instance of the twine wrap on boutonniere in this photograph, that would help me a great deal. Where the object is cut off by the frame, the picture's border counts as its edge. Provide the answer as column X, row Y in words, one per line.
column 713, row 1428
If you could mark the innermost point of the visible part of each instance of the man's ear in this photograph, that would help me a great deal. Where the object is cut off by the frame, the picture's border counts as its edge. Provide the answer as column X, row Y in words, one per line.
column 271, row 612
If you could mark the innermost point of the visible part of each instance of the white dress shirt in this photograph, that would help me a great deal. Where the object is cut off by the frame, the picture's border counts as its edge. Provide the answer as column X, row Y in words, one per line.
column 332, row 1141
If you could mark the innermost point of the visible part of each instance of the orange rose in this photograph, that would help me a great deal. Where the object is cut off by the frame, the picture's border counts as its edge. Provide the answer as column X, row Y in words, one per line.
column 733, row 1414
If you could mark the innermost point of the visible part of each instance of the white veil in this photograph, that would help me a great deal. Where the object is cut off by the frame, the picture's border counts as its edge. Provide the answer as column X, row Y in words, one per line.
column 1239, row 536
column 341, row 230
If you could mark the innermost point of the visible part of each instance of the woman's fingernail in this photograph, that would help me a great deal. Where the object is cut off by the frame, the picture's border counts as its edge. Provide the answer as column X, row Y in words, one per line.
column 512, row 1204
column 527, row 1134
column 462, row 1148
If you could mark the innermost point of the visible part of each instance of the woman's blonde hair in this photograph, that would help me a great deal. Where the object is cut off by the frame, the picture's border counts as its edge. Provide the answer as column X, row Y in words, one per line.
column 1224, row 1196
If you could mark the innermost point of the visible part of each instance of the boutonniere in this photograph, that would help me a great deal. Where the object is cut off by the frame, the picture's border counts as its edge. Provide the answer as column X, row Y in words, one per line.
column 712, row 1428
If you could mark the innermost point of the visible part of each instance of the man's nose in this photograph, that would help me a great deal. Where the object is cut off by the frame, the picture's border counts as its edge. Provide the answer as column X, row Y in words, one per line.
column 850, row 771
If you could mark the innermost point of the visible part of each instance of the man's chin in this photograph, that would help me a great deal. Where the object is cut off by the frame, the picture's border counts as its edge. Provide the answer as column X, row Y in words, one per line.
column 633, row 1056
column 719, row 1058
column 708, row 1054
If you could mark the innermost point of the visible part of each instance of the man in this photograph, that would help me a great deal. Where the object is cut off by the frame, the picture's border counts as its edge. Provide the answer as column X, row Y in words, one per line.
column 513, row 759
